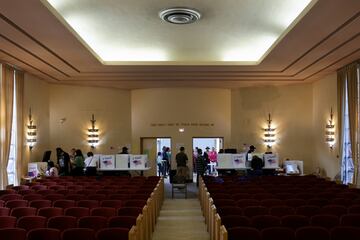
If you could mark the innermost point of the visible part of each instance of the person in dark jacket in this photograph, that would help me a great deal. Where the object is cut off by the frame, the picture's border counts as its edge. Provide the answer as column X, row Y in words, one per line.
column 200, row 166
column 63, row 160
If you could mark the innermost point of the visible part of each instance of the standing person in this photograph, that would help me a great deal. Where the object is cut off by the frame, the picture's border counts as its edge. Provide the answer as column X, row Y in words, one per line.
column 168, row 153
column 63, row 160
column 165, row 158
column 213, row 155
column 207, row 159
column 200, row 166
column 91, row 164
column 79, row 163
column 124, row 150
column 195, row 152
column 159, row 162
column 181, row 161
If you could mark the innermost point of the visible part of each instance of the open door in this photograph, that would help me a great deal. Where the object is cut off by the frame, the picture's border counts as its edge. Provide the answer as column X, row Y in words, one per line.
column 148, row 147
column 151, row 146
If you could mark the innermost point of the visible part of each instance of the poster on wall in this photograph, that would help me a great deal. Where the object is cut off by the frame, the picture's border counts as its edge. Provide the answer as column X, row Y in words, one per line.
column 271, row 161
column 239, row 160
column 107, row 161
column 138, row 161
column 122, row 161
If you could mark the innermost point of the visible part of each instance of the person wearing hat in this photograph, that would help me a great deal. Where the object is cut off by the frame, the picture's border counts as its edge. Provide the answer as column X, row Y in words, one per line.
column 124, row 150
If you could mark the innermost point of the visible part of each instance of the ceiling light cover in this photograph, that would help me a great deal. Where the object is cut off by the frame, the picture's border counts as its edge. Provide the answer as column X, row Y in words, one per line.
column 180, row 15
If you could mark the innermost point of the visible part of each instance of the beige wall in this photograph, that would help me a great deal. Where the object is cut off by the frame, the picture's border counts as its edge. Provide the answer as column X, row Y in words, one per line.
column 325, row 97
column 299, row 112
column 76, row 104
column 291, row 110
column 180, row 105
column 36, row 96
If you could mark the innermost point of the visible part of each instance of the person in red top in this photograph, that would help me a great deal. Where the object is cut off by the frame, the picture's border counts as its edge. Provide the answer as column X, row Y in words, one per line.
column 213, row 155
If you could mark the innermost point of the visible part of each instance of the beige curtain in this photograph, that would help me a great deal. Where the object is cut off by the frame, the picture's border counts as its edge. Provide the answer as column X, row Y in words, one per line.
column 353, row 93
column 6, row 109
column 19, row 92
column 341, row 80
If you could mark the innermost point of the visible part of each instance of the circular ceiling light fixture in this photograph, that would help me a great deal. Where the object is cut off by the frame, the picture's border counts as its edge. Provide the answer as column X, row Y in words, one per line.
column 180, row 15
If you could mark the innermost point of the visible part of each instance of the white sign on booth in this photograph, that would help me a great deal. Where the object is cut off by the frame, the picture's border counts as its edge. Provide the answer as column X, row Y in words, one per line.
column 271, row 161
column 107, row 161
column 138, row 161
column 238, row 160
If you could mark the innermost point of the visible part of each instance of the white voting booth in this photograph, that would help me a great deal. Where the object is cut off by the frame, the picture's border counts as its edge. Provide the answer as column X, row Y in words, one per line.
column 107, row 161
column 271, row 161
column 37, row 168
column 138, row 161
column 231, row 161
column 294, row 167
column 123, row 162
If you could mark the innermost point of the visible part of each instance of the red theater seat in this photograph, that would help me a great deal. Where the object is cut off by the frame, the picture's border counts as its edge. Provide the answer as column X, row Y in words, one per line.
column 43, row 234
column 62, row 222
column 112, row 234
column 93, row 222
column 12, row 234
column 78, row 233
column 31, row 222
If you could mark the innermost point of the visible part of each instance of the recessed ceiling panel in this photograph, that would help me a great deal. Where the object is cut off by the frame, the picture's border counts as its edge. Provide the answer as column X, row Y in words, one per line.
column 229, row 32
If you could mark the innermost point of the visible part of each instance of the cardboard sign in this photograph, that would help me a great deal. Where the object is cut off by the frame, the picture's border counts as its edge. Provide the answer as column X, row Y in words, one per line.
column 107, row 161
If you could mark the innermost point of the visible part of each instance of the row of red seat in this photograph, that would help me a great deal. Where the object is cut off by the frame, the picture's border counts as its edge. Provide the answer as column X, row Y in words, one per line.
column 303, row 233
column 71, row 211
column 268, row 203
column 64, row 222
column 66, row 203
column 68, row 234
column 291, row 221
column 305, row 210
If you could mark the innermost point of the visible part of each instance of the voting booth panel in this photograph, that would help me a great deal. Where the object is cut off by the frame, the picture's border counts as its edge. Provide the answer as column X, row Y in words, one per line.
column 107, row 161
column 225, row 160
column 294, row 167
column 138, row 161
column 239, row 160
column 122, row 161
column 271, row 161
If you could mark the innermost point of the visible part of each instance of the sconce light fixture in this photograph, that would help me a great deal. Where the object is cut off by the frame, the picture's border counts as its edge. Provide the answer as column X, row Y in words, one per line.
column 269, row 133
column 330, row 131
column 93, row 133
column 31, row 132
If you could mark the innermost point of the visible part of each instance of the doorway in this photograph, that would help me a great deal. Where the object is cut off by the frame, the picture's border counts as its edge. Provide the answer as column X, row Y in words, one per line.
column 151, row 146
column 212, row 143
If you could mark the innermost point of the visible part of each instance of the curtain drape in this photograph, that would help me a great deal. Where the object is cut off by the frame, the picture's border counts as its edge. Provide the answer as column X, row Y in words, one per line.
column 6, row 111
column 353, row 94
column 341, row 78
column 19, row 92
column 347, row 76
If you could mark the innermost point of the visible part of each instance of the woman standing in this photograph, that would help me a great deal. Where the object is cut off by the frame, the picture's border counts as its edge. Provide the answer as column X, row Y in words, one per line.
column 79, row 163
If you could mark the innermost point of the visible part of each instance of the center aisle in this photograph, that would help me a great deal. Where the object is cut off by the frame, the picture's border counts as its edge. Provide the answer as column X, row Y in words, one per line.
column 180, row 219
